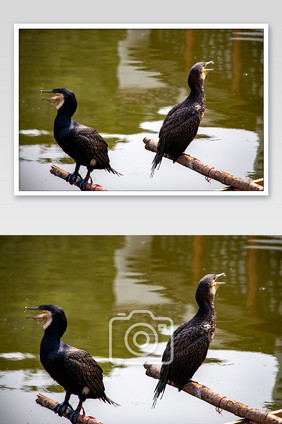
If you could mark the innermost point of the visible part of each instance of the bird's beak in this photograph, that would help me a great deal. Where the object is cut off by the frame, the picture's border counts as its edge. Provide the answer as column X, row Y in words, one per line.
column 55, row 100
column 41, row 319
column 216, row 284
column 206, row 64
column 206, row 70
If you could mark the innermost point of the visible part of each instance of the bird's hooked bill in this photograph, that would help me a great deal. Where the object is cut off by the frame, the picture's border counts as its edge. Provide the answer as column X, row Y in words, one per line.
column 36, row 308
column 219, row 283
column 49, row 99
column 206, row 64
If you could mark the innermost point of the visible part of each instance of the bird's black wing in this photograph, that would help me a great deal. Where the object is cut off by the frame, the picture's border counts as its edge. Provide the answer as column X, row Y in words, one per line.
column 92, row 144
column 178, row 130
column 189, row 352
column 86, row 371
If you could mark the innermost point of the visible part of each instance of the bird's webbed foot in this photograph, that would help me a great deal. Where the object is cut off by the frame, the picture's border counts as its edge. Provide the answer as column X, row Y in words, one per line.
column 72, row 415
column 71, row 178
column 83, row 182
column 61, row 408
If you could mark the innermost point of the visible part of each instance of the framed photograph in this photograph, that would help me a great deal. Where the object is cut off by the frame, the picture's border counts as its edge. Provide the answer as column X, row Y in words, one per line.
column 126, row 300
column 123, row 102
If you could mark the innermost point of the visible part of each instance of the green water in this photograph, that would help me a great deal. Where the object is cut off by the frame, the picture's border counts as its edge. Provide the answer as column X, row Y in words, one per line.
column 125, row 82
column 96, row 278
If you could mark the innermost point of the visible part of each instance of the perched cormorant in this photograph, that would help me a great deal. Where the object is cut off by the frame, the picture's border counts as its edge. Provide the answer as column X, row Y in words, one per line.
column 188, row 346
column 84, row 144
column 182, row 122
column 72, row 368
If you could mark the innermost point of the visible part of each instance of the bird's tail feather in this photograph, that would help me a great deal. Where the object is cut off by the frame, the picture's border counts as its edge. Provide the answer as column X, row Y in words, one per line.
column 110, row 401
column 113, row 171
column 156, row 161
column 160, row 388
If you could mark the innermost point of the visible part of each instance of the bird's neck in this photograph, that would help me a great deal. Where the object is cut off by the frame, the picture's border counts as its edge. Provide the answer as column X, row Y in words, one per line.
column 63, row 115
column 53, row 334
column 62, row 122
column 66, row 110
column 197, row 92
column 49, row 343
column 206, row 307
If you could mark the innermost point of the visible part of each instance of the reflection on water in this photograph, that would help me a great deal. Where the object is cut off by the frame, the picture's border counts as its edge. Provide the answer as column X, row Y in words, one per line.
column 123, row 79
column 130, row 285
column 134, row 391
column 96, row 278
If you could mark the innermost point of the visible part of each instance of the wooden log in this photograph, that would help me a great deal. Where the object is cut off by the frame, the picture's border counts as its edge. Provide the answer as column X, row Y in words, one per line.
column 50, row 404
column 230, row 188
column 61, row 173
column 208, row 171
column 218, row 400
column 277, row 413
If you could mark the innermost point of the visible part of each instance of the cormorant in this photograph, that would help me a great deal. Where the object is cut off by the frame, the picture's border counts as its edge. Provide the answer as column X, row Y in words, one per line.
column 182, row 122
column 84, row 144
column 72, row 368
column 186, row 350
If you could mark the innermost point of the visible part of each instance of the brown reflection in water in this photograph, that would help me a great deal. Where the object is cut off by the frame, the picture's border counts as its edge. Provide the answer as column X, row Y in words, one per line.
column 197, row 250
column 252, row 278
column 189, row 44
column 236, row 64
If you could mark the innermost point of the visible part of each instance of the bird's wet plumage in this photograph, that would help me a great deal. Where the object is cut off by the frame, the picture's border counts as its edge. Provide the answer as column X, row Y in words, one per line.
column 84, row 144
column 188, row 346
column 182, row 122
column 74, row 369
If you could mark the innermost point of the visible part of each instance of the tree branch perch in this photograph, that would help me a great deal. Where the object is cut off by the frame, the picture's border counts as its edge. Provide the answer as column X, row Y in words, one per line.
column 61, row 173
column 208, row 171
column 222, row 402
column 50, row 404
column 277, row 413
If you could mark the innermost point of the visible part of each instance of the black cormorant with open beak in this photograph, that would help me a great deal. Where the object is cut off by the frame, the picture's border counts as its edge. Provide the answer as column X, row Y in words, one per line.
column 72, row 368
column 182, row 122
column 84, row 144
column 188, row 346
